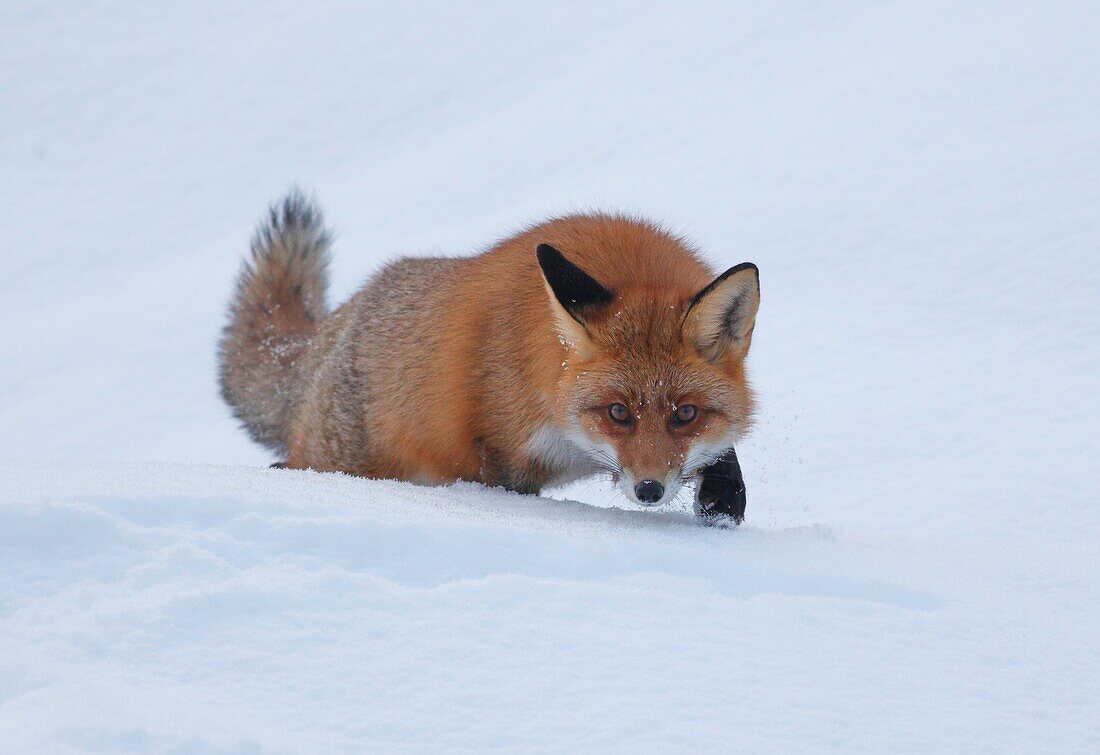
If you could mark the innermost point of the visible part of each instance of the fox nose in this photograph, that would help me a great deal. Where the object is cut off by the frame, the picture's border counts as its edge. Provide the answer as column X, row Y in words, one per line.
column 649, row 491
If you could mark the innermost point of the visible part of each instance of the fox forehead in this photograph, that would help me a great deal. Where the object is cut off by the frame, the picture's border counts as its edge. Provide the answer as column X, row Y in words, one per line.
column 641, row 353
column 640, row 383
column 642, row 318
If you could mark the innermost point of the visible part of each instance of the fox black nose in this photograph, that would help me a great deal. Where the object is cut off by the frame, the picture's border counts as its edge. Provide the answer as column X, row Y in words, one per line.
column 649, row 491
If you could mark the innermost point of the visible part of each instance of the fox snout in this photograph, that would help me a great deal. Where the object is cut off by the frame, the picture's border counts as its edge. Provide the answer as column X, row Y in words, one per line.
column 650, row 489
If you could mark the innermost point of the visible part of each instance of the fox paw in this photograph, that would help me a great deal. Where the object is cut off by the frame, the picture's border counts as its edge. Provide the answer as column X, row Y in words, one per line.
column 721, row 492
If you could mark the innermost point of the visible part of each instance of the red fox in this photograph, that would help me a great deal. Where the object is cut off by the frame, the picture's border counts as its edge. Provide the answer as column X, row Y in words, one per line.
column 585, row 344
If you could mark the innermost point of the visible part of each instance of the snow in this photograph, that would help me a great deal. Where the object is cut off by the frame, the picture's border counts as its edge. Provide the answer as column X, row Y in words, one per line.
column 918, row 184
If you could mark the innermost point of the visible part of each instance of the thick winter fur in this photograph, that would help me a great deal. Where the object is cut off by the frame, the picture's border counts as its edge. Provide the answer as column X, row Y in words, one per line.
column 273, row 317
column 486, row 368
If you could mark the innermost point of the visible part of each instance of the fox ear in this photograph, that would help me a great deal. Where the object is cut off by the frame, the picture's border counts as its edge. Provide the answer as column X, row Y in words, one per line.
column 573, row 293
column 721, row 317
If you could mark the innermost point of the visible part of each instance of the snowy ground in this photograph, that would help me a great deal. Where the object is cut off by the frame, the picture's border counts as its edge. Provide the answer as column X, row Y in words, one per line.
column 920, row 185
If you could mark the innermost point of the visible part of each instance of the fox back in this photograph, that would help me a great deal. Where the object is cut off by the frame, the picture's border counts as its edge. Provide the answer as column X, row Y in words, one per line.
column 586, row 344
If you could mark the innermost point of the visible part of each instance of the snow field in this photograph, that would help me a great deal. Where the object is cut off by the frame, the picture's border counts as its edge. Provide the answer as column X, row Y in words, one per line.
column 916, row 181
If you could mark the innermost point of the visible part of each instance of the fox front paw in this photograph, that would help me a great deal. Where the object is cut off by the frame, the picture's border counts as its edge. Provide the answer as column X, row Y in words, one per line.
column 721, row 491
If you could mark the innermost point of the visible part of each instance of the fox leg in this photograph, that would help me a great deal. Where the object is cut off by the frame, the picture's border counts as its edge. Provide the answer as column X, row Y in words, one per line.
column 497, row 472
column 721, row 489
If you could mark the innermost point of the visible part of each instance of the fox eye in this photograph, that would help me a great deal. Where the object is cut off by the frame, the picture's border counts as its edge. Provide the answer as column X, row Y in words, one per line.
column 619, row 413
column 685, row 414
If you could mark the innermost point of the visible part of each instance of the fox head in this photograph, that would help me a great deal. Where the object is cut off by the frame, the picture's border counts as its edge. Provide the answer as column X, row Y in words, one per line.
column 653, row 386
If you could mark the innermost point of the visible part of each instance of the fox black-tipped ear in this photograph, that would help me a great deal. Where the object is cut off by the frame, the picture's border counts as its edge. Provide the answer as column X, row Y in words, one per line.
column 575, row 290
column 721, row 317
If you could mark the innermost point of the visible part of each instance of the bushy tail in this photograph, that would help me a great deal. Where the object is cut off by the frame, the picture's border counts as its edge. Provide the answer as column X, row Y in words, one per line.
column 273, row 315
